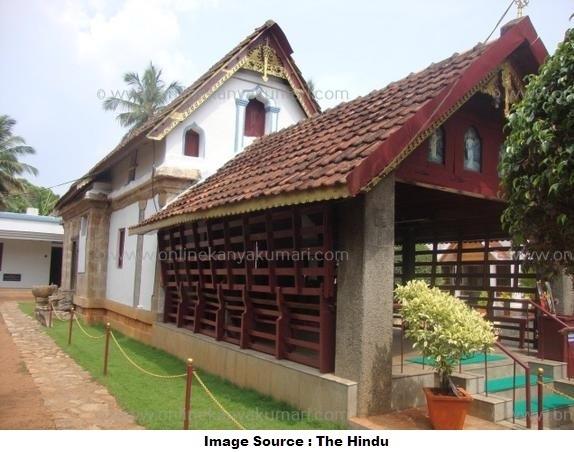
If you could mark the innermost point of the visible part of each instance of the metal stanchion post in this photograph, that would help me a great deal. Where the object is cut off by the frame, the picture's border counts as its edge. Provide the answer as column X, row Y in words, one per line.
column 71, row 325
column 540, row 398
column 107, row 349
column 188, row 393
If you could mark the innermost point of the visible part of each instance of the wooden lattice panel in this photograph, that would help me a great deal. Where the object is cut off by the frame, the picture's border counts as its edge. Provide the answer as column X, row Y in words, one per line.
column 487, row 274
column 257, row 281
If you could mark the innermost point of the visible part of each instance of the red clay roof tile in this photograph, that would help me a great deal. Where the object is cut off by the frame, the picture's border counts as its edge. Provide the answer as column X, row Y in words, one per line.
column 324, row 150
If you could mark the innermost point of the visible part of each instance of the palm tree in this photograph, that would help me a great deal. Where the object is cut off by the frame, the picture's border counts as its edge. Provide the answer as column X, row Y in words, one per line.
column 144, row 98
column 11, row 149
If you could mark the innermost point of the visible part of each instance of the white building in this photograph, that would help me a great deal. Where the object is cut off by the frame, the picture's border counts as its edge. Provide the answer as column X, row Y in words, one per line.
column 256, row 89
column 30, row 250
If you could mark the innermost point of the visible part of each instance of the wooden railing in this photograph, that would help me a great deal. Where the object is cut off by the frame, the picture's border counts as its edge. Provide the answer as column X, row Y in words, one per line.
column 564, row 325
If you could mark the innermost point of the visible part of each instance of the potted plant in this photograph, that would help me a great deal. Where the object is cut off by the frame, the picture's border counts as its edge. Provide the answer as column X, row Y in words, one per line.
column 447, row 331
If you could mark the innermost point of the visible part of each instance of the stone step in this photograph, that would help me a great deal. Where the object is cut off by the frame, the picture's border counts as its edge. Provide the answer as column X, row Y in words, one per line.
column 503, row 387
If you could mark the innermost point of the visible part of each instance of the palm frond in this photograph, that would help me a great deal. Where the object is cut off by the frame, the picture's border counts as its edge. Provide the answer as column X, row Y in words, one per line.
column 146, row 96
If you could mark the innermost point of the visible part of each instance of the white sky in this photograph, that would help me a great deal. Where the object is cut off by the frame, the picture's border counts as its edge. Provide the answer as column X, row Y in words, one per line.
column 57, row 55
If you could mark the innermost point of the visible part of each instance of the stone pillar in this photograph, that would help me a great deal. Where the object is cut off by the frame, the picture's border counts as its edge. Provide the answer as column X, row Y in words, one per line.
column 365, row 296
column 71, row 232
column 97, row 250
column 563, row 290
column 66, row 256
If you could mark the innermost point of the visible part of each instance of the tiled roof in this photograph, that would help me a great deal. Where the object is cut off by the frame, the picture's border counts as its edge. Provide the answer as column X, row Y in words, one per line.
column 322, row 152
column 191, row 90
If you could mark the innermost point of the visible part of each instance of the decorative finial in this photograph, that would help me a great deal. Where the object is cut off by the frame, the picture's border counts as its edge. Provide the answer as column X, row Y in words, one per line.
column 520, row 5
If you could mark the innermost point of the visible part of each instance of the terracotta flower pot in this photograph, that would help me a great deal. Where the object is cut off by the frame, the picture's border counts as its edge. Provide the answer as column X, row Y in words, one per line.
column 447, row 412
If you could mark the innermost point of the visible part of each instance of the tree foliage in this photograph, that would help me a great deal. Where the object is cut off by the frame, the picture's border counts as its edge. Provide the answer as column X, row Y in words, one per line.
column 146, row 96
column 538, row 165
column 31, row 195
column 12, row 148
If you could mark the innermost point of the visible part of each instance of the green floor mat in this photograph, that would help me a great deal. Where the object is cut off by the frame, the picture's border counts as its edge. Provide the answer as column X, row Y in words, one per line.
column 550, row 402
column 474, row 359
column 502, row 384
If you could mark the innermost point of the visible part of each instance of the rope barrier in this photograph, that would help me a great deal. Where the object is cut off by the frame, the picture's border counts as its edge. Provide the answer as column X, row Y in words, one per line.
column 152, row 374
column 137, row 366
column 556, row 391
column 220, row 406
column 86, row 333
column 61, row 319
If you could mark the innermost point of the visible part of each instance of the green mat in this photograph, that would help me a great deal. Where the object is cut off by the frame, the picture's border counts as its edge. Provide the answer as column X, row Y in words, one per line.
column 503, row 384
column 473, row 359
column 550, row 402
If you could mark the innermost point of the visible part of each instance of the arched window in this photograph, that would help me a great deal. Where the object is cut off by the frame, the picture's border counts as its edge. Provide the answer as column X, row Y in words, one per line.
column 472, row 151
column 254, row 119
column 436, row 146
column 191, row 148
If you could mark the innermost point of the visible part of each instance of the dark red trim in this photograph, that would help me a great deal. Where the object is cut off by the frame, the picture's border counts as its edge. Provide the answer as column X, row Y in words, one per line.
column 500, row 50
column 121, row 247
column 297, row 80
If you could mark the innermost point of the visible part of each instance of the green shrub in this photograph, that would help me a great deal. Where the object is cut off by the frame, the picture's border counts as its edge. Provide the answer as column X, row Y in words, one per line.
column 445, row 328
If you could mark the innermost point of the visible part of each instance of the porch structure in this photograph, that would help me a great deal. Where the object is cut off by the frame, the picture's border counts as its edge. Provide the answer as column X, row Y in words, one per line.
column 390, row 181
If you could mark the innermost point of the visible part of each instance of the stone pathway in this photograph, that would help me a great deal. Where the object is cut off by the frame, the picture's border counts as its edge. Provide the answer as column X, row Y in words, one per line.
column 73, row 399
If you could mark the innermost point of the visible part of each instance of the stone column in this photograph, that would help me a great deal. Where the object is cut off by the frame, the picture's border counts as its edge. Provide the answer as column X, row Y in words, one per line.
column 562, row 289
column 96, row 250
column 365, row 296
column 66, row 255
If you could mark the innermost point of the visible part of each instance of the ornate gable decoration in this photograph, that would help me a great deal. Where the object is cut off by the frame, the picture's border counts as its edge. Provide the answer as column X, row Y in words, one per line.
column 505, row 82
column 264, row 59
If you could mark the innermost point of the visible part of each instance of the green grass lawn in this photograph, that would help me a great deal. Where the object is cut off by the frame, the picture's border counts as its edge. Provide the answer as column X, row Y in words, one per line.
column 158, row 403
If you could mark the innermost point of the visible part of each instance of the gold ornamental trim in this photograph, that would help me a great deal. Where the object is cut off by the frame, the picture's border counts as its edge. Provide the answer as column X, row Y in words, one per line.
column 269, row 202
column 262, row 59
column 421, row 137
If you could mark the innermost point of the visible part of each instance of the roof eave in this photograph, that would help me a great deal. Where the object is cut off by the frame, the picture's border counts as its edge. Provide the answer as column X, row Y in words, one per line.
column 416, row 129
column 338, row 191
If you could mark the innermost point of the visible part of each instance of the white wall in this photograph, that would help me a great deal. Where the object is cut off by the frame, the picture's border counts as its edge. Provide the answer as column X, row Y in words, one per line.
column 148, row 155
column 217, row 119
column 149, row 262
column 120, row 281
column 30, row 258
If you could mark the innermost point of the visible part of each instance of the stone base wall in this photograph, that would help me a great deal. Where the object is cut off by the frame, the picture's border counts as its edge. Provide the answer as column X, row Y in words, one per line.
column 324, row 396
column 132, row 322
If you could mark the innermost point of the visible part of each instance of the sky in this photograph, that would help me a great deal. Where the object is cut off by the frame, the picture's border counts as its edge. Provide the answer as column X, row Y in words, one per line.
column 60, row 58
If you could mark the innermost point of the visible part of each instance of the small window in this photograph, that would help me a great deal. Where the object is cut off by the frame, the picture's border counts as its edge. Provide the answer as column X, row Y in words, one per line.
column 121, row 246
column 254, row 119
column 472, row 151
column 133, row 166
column 436, row 146
column 191, row 147
column 1, row 253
